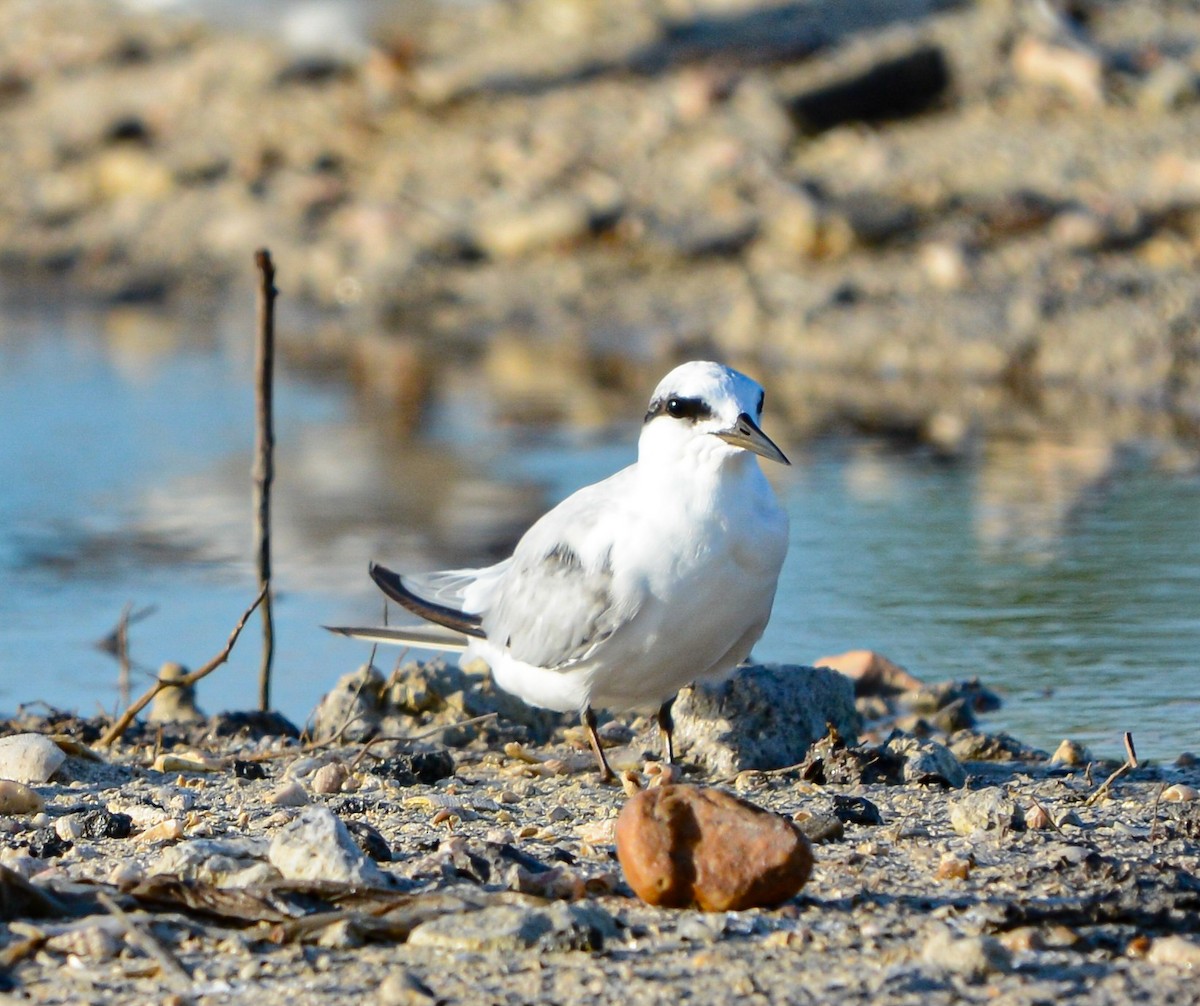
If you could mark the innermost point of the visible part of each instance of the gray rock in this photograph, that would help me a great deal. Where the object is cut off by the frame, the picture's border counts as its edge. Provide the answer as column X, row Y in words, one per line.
column 555, row 927
column 763, row 717
column 351, row 707
column 318, row 846
column 29, row 758
column 990, row 809
column 927, row 761
column 974, row 957
column 233, row 862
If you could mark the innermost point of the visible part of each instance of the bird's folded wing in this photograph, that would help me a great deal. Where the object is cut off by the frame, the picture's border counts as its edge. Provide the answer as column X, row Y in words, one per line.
column 421, row 637
column 553, row 609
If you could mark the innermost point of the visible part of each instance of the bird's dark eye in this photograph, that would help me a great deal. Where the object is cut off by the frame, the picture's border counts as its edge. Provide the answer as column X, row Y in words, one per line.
column 679, row 407
column 762, row 400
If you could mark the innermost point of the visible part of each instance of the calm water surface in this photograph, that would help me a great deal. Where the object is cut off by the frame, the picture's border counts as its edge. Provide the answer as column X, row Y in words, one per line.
column 1067, row 578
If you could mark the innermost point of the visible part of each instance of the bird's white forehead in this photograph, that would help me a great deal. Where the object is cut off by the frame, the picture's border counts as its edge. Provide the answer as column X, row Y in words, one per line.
column 714, row 383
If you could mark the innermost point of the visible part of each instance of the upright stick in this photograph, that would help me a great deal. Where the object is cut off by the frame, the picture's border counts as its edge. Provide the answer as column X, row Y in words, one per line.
column 264, row 468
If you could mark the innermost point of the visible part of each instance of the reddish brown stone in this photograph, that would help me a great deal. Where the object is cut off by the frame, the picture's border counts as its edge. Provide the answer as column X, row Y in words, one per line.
column 689, row 845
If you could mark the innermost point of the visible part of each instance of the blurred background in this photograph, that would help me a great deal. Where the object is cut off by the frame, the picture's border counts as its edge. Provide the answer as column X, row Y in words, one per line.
column 957, row 241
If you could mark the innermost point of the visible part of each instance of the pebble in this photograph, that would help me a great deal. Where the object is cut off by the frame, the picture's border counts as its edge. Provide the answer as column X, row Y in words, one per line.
column 288, row 794
column 176, row 704
column 555, row 927
column 170, row 830
column 973, row 957
column 29, row 758
column 330, row 778
column 1177, row 950
column 16, row 798
column 1070, row 753
column 688, row 845
column 762, row 717
column 989, row 809
column 318, row 846
column 927, row 762
column 227, row 862
column 403, row 988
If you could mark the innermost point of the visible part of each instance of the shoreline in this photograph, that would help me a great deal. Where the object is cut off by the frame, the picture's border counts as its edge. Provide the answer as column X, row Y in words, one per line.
column 486, row 871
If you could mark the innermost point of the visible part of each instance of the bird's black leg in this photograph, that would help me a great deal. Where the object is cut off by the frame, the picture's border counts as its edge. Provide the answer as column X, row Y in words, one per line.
column 589, row 721
column 665, row 726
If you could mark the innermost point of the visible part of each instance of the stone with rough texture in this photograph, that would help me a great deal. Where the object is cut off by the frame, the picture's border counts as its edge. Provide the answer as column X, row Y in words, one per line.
column 973, row 957
column 988, row 809
column 555, row 927
column 318, row 846
column 29, row 758
column 762, row 717
column 927, row 762
column 689, row 845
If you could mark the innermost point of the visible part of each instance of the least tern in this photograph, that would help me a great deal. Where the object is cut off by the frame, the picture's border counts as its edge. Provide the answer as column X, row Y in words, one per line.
column 631, row 588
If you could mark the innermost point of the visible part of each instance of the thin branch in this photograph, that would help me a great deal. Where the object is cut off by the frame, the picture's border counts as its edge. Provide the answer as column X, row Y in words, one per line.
column 145, row 941
column 127, row 717
column 264, row 464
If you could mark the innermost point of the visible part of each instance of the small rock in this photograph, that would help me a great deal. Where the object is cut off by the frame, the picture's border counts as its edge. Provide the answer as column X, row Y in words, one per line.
column 990, row 809
column 169, row 830
column 1070, row 753
column 856, row 810
column 556, row 927
column 688, row 845
column 927, row 762
column 289, row 794
column 403, row 988
column 1073, row 70
column 230, row 862
column 16, row 798
column 412, row 767
column 974, row 957
column 351, row 708
column 1177, row 950
column 318, row 846
column 871, row 672
column 102, row 823
column 952, row 867
column 176, row 703
column 820, row 828
column 1036, row 818
column 29, row 758
column 46, row 844
column 96, row 942
column 762, row 717
column 330, row 778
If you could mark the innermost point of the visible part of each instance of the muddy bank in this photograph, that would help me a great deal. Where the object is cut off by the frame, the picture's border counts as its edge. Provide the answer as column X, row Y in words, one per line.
column 928, row 220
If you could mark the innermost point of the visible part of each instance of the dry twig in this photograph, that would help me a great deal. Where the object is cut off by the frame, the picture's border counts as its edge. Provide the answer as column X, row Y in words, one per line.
column 127, row 717
column 264, row 465
column 145, row 941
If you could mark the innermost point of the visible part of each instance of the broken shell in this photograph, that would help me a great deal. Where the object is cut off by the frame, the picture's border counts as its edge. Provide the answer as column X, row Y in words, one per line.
column 1181, row 792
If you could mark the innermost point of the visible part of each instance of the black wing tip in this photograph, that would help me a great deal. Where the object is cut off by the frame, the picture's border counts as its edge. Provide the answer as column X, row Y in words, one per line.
column 392, row 584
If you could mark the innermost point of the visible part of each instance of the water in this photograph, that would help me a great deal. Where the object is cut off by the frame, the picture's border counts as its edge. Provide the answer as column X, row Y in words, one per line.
column 1065, row 577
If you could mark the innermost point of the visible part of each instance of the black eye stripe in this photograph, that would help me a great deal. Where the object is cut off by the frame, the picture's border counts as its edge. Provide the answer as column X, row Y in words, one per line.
column 678, row 407
column 762, row 400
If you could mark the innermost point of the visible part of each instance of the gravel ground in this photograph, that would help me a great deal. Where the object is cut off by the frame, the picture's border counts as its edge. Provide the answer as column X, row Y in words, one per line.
column 489, row 875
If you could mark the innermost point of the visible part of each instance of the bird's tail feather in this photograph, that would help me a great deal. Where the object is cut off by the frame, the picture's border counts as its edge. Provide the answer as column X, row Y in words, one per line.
column 421, row 637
